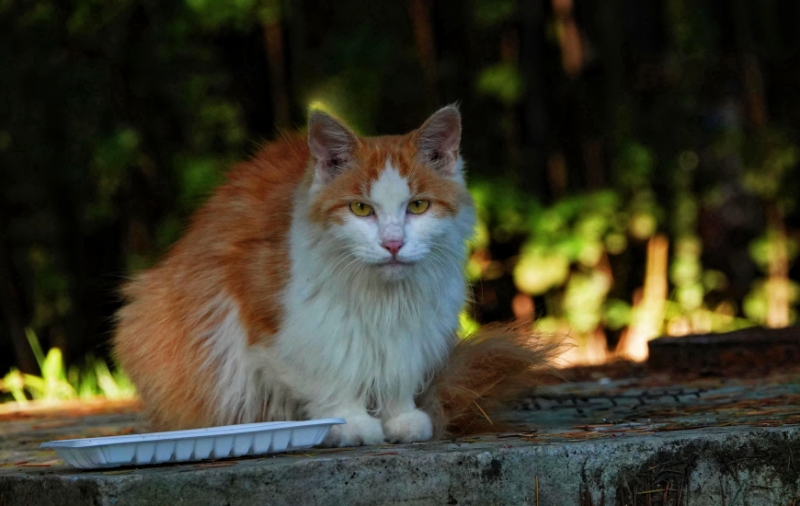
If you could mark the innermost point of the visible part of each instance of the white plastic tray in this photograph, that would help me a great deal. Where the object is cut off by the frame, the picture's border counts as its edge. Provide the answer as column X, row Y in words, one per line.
column 190, row 445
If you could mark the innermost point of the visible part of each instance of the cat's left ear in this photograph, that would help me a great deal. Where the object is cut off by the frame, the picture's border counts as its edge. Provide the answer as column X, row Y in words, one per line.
column 439, row 138
column 331, row 144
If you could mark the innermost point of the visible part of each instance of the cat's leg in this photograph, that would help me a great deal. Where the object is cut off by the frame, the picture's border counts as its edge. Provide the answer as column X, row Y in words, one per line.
column 360, row 429
column 403, row 422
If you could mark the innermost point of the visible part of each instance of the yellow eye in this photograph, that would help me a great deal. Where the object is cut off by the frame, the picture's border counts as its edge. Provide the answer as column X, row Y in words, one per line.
column 360, row 209
column 419, row 206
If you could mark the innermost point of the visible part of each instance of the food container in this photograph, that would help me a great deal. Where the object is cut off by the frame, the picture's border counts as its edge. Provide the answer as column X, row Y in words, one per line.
column 191, row 445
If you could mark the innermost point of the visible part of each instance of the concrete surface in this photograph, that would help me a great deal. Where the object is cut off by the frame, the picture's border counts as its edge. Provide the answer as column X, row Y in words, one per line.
column 597, row 440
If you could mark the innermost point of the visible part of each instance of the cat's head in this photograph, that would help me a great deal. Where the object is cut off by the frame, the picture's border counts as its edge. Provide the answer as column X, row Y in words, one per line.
column 391, row 204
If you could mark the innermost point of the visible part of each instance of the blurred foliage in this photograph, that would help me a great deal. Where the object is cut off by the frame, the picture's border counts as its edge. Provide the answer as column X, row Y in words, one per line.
column 57, row 383
column 566, row 260
column 591, row 128
column 502, row 81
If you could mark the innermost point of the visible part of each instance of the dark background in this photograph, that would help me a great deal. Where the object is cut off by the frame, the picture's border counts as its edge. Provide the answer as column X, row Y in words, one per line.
column 597, row 133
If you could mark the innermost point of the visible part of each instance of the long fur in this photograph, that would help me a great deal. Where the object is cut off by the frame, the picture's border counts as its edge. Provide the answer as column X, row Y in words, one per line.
column 486, row 371
column 281, row 303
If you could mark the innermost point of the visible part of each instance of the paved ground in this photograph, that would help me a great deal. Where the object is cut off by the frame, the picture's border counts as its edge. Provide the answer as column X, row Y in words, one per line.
column 613, row 436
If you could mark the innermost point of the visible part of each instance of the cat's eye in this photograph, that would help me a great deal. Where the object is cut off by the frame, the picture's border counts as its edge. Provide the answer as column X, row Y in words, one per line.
column 360, row 209
column 419, row 206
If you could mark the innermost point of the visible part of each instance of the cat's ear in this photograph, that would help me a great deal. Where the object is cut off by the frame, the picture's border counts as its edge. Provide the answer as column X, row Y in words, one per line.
column 438, row 140
column 331, row 144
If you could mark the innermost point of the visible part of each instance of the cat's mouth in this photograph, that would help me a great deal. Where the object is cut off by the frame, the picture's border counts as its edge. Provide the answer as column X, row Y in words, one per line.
column 394, row 269
column 395, row 262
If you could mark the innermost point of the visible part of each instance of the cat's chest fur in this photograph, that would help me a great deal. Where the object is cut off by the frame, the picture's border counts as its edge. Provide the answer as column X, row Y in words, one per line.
column 345, row 330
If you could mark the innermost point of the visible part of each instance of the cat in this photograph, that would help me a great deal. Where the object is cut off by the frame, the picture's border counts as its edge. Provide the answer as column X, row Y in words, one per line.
column 325, row 279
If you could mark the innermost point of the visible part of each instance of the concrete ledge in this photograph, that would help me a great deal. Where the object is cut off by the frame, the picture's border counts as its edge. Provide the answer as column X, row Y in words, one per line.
column 745, row 351
column 641, row 439
column 710, row 466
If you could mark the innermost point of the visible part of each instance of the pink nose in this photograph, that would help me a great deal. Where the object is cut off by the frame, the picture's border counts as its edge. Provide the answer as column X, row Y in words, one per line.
column 392, row 246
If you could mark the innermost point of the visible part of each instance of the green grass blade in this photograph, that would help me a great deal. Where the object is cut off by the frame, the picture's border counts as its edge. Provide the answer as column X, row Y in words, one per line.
column 33, row 341
column 106, row 381
column 14, row 383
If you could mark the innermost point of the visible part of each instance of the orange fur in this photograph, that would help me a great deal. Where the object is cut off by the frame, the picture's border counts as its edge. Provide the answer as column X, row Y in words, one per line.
column 237, row 244
column 236, row 241
column 485, row 371
column 369, row 160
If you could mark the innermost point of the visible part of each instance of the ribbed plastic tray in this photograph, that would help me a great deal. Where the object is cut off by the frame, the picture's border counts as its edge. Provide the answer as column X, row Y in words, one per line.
column 191, row 445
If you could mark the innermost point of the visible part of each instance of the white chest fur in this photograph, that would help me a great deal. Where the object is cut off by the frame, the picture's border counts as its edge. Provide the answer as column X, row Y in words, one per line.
column 351, row 337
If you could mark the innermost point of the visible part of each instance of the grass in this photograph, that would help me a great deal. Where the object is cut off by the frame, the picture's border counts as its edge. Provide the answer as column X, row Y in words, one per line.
column 57, row 383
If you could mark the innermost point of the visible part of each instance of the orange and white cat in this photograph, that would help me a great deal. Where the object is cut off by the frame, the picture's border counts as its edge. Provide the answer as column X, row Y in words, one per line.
column 324, row 279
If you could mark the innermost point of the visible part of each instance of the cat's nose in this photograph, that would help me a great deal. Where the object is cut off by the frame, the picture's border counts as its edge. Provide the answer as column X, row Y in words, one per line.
column 392, row 246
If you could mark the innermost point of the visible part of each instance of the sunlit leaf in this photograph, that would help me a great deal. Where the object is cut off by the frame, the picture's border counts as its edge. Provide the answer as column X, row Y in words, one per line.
column 468, row 326
column 535, row 274
column 502, row 81
column 643, row 226
column 617, row 313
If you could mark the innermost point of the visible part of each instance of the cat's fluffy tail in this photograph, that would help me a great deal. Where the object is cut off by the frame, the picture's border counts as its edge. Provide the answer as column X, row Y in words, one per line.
column 485, row 371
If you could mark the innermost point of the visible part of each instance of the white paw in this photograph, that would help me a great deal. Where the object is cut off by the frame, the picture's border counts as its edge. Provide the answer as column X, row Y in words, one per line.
column 359, row 430
column 409, row 427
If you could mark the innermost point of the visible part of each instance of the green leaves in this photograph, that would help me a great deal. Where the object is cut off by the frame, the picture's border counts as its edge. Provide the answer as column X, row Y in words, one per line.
column 198, row 176
column 489, row 13
column 113, row 157
column 502, row 81
column 238, row 13
column 539, row 271
column 56, row 383
column 14, row 383
column 770, row 158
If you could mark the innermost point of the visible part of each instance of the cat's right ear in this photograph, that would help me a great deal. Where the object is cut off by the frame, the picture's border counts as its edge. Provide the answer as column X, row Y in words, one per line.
column 438, row 140
column 331, row 144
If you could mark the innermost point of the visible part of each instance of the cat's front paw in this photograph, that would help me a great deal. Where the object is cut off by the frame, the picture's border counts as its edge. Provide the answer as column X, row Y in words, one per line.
column 359, row 430
column 409, row 427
